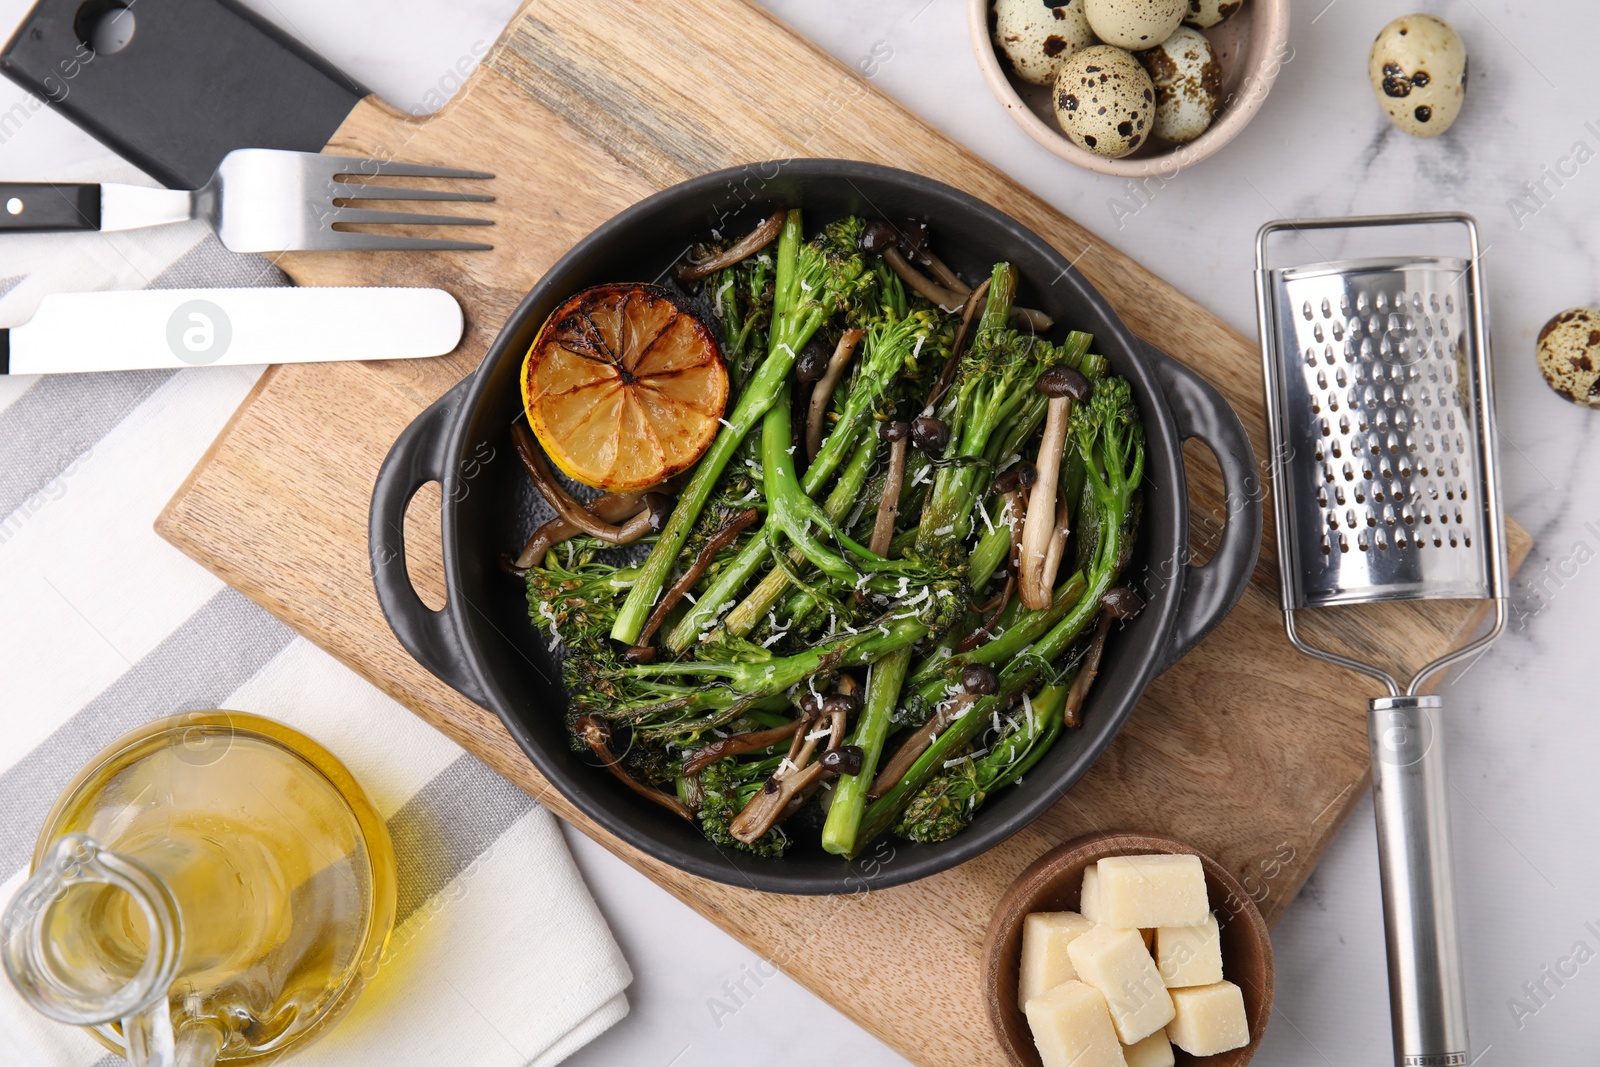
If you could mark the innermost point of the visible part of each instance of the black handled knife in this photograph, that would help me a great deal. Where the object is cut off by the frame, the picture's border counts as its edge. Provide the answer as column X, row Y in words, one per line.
column 195, row 80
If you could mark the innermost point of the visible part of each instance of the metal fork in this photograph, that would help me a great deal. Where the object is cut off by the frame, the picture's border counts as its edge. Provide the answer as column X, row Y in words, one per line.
column 259, row 200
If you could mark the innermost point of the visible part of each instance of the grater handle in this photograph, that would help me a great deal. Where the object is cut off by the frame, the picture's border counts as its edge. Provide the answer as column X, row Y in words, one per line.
column 1211, row 591
column 1427, row 1004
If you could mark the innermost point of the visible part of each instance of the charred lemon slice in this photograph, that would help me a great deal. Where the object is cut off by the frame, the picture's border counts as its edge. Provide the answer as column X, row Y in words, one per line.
column 623, row 388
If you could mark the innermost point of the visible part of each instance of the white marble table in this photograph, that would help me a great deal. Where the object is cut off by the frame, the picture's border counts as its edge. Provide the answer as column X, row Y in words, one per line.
column 1522, row 748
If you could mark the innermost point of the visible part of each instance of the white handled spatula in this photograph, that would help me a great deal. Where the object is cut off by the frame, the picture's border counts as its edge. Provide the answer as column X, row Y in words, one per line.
column 172, row 328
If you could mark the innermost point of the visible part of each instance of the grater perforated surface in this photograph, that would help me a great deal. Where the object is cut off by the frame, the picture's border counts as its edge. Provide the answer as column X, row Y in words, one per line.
column 1382, row 463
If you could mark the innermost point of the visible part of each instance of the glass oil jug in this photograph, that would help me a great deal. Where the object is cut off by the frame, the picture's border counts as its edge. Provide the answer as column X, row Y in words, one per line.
column 214, row 887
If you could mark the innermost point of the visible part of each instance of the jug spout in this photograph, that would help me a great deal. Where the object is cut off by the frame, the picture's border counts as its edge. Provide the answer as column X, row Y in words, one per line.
column 58, row 952
column 150, row 1040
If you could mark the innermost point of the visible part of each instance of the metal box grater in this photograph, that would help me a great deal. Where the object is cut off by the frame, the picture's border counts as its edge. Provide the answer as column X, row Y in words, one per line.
column 1380, row 406
column 1388, row 469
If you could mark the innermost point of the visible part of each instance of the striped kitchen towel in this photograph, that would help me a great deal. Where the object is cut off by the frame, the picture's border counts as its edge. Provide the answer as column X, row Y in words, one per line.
column 499, row 955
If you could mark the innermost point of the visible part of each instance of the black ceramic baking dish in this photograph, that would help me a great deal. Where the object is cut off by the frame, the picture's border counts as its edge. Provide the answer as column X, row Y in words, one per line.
column 483, row 645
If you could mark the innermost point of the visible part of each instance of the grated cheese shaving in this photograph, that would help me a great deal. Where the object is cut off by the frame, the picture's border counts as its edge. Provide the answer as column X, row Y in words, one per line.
column 550, row 617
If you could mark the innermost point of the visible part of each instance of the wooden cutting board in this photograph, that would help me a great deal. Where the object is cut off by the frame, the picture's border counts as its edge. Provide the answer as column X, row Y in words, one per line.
column 1246, row 749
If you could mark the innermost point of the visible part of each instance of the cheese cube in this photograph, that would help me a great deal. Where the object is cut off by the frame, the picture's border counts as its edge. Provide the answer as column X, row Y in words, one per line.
column 1117, row 964
column 1089, row 896
column 1153, row 1051
column 1190, row 955
column 1071, row 1028
column 1142, row 891
column 1209, row 1019
column 1045, row 963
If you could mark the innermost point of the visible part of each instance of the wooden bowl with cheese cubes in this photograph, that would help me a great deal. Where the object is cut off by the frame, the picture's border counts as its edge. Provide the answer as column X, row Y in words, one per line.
column 1128, row 950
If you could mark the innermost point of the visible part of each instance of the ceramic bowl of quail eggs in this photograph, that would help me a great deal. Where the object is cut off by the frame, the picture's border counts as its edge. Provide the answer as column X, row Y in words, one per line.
column 1133, row 88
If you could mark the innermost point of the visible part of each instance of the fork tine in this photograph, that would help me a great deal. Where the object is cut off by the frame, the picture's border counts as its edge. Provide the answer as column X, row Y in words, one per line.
column 358, row 165
column 356, row 191
column 345, row 241
column 365, row 216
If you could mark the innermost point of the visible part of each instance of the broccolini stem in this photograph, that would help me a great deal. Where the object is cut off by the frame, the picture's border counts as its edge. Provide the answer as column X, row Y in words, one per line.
column 886, row 351
column 742, row 619
column 790, row 510
column 841, row 833
column 990, row 551
column 732, row 577
column 1015, row 678
column 932, row 677
column 792, row 327
column 752, row 680
column 1017, row 752
column 948, row 508
column 888, row 347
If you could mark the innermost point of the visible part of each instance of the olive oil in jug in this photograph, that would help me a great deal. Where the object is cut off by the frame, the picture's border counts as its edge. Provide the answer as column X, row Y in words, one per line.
column 213, row 887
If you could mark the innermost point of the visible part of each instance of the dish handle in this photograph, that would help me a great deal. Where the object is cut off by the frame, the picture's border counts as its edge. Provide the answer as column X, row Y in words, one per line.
column 1212, row 590
column 421, row 454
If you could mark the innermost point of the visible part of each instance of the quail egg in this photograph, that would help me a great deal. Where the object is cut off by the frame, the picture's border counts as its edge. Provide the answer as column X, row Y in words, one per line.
column 1134, row 24
column 1569, row 355
column 1104, row 100
column 1188, row 81
column 1418, row 69
column 1037, row 37
column 1207, row 13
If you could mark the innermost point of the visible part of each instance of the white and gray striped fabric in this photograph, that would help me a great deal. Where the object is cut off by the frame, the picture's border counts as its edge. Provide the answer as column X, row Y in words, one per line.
column 499, row 955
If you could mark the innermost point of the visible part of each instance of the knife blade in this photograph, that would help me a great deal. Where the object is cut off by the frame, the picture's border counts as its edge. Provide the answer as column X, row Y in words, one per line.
column 172, row 328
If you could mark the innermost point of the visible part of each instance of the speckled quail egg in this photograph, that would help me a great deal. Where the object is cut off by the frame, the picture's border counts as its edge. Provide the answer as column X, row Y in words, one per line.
column 1569, row 355
column 1037, row 37
column 1207, row 13
column 1134, row 24
column 1188, row 81
column 1418, row 69
column 1104, row 100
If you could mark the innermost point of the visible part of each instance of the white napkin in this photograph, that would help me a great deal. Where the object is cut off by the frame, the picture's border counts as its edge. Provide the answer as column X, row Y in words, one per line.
column 500, row 957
